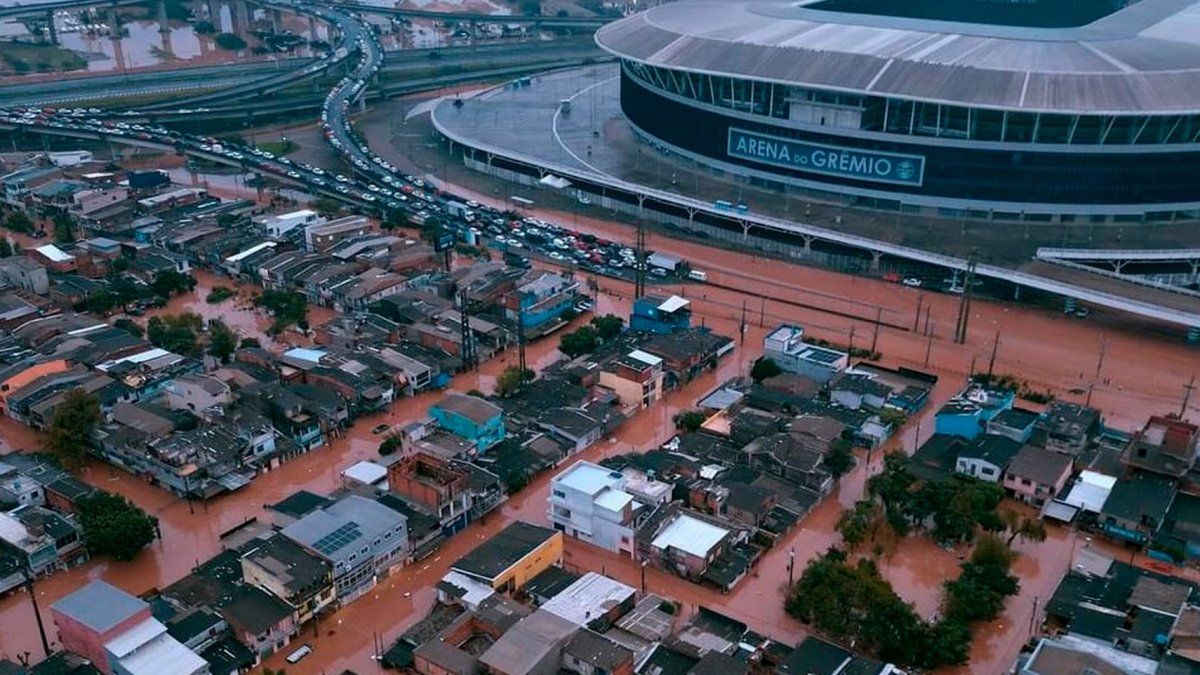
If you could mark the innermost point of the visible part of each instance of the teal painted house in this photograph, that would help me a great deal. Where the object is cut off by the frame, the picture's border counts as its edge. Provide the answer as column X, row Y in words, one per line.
column 470, row 417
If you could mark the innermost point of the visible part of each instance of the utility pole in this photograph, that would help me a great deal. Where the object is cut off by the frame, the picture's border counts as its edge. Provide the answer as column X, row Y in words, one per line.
column 964, row 303
column 521, row 340
column 917, row 316
column 467, row 352
column 639, row 277
column 743, row 324
column 1187, row 396
column 1100, row 360
column 875, row 335
column 928, row 348
column 850, row 347
column 37, row 612
column 992, row 361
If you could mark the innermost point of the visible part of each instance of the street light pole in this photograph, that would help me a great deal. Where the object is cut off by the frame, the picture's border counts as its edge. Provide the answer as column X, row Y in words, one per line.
column 644, row 563
column 791, row 566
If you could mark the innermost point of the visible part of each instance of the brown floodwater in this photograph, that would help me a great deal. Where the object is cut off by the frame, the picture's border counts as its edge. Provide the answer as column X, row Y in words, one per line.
column 1145, row 374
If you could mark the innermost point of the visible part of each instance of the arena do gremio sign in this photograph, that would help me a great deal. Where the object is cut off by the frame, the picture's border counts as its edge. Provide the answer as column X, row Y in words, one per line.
column 882, row 167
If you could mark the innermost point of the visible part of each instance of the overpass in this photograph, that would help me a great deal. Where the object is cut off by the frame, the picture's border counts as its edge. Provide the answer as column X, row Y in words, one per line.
column 467, row 17
column 33, row 9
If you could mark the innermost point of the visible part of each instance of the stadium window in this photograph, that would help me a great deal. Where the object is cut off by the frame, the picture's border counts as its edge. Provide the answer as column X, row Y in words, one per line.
column 1018, row 128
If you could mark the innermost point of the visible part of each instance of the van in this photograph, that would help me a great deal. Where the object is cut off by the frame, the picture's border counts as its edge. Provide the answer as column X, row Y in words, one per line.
column 697, row 275
column 299, row 654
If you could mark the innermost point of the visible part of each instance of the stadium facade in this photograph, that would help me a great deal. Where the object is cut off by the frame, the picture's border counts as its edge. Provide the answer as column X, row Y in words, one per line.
column 1061, row 108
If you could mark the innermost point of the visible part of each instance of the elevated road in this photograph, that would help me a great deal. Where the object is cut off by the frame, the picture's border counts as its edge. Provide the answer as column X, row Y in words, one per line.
column 467, row 17
column 31, row 9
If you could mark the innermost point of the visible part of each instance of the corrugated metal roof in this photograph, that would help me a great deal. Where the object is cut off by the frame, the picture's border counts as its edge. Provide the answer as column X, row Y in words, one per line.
column 1144, row 58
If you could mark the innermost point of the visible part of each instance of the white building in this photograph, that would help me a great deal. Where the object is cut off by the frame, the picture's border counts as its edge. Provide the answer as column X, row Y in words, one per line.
column 588, row 502
column 277, row 225
column 786, row 347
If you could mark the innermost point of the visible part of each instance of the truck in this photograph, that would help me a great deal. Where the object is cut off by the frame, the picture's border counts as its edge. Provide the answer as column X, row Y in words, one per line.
column 460, row 210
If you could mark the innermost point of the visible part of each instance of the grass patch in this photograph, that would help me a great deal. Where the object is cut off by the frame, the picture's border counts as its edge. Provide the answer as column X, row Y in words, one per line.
column 19, row 58
column 284, row 146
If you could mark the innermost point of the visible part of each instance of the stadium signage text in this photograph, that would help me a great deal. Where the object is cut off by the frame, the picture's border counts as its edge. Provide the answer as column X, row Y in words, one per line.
column 882, row 167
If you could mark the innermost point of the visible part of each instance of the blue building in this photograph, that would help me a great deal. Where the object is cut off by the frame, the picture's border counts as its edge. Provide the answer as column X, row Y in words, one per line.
column 541, row 302
column 663, row 316
column 470, row 417
column 968, row 413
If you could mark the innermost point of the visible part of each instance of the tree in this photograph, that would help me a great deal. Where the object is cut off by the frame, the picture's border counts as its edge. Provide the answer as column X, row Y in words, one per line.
column 249, row 343
column 327, row 207
column 608, row 326
column 389, row 445
column 840, row 458
column 175, row 333
column 858, row 521
column 204, row 28
column 70, row 432
column 288, row 308
column 129, row 326
column 219, row 294
column 230, row 42
column 1030, row 529
column 511, row 380
column 169, row 282
column 64, row 229
column 689, row 420
column 5, row 248
column 580, row 342
column 222, row 340
column 112, row 525
column 19, row 222
column 764, row 368
column 893, row 417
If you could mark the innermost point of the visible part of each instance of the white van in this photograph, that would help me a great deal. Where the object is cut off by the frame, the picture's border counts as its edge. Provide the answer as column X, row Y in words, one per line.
column 697, row 275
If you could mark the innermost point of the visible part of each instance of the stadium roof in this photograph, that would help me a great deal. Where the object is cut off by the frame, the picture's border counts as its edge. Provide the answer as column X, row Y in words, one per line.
column 1143, row 58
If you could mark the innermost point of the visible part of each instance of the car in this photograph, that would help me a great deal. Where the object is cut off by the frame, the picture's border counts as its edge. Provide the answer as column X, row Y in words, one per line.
column 555, row 255
column 911, row 282
column 293, row 175
column 299, row 654
column 380, row 428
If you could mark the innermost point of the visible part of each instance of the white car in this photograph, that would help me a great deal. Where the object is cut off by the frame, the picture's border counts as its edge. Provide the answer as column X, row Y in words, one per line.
column 911, row 282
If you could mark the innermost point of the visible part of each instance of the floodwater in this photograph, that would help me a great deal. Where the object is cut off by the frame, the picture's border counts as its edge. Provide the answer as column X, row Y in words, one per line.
column 1141, row 373
column 145, row 45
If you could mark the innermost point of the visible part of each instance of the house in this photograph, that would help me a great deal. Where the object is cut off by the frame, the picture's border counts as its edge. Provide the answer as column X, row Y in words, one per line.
column 277, row 225
column 682, row 543
column 116, row 632
column 1165, row 446
column 590, row 653
column 197, row 392
column 986, row 457
column 1036, row 475
column 295, row 506
column 588, row 502
column 289, row 572
column 652, row 314
column 24, row 273
column 513, row 556
column 786, row 347
column 579, row 428
column 539, row 302
column 968, row 413
column 436, row 484
column 54, row 258
column 1136, row 507
column 816, row 656
column 1058, row 655
column 322, row 236
column 1068, row 427
column 360, row 539
column 475, row 419
column 259, row 620
column 592, row 601
column 33, row 546
column 531, row 647
column 687, row 353
column 636, row 378
column 855, row 390
column 1014, row 423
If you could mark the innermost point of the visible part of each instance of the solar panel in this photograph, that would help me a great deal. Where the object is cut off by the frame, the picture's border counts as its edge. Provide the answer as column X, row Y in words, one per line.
column 822, row 356
column 344, row 534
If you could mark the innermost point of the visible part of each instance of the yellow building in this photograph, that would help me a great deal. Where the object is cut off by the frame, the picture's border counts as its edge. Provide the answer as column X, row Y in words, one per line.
column 518, row 553
column 636, row 379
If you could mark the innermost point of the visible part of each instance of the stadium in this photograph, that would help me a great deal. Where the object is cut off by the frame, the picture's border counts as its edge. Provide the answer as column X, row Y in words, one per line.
column 1043, row 108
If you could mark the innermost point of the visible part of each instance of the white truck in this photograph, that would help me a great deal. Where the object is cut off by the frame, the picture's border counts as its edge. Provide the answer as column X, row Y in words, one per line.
column 460, row 210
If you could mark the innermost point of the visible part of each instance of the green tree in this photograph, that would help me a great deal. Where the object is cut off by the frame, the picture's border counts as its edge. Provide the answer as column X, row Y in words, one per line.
column 129, row 326
column 327, row 207
column 288, row 308
column 1030, row 529
column 893, row 487
column 222, row 340
column 893, row 416
column 70, row 432
column 204, row 28
column 858, row 522
column 764, row 368
column 169, row 282
column 689, row 420
column 983, row 586
column 219, row 294
column 176, row 333
column 5, row 248
column 249, row 343
column 64, row 229
column 608, row 326
column 389, row 445
column 511, row 380
column 19, row 222
column 840, row 458
column 112, row 525
column 582, row 341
